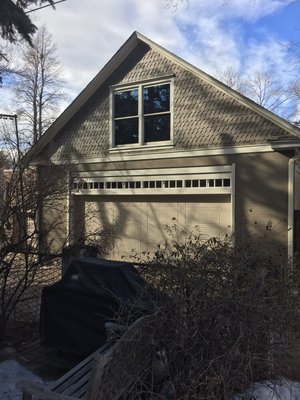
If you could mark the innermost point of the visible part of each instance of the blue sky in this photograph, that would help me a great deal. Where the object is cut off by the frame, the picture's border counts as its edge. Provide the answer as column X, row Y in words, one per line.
column 285, row 23
column 242, row 34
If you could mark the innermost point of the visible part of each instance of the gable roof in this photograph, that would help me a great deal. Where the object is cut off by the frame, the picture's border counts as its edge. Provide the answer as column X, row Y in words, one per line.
column 132, row 42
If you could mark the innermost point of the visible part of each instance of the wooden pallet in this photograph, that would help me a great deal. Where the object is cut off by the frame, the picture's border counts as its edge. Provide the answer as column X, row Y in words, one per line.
column 73, row 384
column 107, row 373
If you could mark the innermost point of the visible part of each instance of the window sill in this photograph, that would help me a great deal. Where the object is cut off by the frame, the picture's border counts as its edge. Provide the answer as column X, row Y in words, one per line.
column 139, row 148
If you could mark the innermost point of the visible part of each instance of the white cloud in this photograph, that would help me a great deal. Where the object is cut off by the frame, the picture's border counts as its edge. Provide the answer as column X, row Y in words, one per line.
column 270, row 55
column 217, row 37
column 249, row 10
column 209, row 34
column 210, row 47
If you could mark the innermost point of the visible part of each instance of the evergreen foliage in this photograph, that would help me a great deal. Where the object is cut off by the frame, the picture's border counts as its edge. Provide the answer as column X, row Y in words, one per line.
column 14, row 22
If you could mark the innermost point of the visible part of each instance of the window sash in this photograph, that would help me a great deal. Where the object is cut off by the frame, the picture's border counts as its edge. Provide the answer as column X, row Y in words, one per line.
column 142, row 117
column 126, row 102
column 156, row 98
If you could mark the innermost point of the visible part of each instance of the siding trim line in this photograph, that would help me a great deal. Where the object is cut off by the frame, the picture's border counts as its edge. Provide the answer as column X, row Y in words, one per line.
column 291, row 204
column 236, row 150
column 233, row 201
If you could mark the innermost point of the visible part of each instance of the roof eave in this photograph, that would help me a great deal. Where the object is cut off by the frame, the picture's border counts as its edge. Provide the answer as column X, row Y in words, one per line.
column 285, row 144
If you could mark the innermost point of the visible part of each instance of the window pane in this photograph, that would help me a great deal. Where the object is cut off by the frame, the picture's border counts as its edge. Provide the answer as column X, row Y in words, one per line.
column 126, row 103
column 126, row 131
column 157, row 128
column 156, row 99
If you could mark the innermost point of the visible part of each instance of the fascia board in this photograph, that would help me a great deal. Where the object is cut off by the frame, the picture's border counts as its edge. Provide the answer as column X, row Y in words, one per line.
column 285, row 145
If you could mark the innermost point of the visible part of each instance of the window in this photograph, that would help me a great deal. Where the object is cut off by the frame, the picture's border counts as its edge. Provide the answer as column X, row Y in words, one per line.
column 141, row 114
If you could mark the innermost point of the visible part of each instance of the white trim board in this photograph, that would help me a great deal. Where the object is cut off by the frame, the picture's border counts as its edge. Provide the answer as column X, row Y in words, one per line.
column 194, row 180
column 156, row 192
column 121, row 156
column 157, row 172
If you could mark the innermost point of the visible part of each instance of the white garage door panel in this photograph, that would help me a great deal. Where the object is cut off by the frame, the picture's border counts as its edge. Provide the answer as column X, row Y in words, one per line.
column 140, row 226
column 159, row 215
column 213, row 219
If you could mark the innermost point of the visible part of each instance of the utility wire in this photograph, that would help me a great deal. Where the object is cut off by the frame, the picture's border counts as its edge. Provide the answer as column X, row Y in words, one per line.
column 47, row 5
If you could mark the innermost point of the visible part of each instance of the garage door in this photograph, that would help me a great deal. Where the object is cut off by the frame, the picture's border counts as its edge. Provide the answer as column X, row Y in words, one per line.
column 138, row 223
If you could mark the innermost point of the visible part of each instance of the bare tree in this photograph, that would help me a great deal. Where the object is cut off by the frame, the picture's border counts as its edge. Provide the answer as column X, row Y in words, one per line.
column 263, row 88
column 233, row 79
column 216, row 315
column 173, row 4
column 266, row 91
column 19, row 208
column 38, row 89
column 33, row 205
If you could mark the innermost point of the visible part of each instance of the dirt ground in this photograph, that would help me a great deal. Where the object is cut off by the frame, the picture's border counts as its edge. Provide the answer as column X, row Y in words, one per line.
column 19, row 334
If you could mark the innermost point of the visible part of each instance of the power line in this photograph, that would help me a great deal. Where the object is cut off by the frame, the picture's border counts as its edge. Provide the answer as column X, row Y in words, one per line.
column 8, row 116
column 47, row 5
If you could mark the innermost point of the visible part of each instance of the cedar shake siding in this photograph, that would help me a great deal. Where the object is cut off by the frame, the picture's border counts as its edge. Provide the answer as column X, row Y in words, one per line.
column 204, row 116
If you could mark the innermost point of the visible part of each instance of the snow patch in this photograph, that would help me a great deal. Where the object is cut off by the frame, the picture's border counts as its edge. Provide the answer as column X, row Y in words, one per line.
column 277, row 390
column 10, row 372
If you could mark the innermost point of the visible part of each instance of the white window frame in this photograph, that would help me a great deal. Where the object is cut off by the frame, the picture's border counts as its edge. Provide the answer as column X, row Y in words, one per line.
column 140, row 86
column 125, row 182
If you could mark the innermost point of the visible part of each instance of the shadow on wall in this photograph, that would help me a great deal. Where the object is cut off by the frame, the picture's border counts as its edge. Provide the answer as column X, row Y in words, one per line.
column 260, row 196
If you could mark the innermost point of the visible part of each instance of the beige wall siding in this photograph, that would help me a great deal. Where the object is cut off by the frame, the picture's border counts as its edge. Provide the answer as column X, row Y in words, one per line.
column 260, row 189
column 54, row 209
column 54, row 226
column 262, row 196
column 260, row 199
column 203, row 115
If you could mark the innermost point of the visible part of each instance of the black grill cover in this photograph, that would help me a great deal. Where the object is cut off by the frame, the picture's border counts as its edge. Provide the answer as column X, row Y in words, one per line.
column 75, row 309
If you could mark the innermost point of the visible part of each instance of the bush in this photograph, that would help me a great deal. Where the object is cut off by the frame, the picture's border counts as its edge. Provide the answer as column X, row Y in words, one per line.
column 222, row 312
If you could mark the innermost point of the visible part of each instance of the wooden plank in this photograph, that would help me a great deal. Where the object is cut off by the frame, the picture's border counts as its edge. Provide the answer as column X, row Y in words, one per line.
column 33, row 389
column 71, row 379
column 78, row 369
column 78, row 387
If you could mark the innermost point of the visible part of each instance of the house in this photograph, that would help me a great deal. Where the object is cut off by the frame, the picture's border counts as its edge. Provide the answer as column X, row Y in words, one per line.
column 152, row 138
column 17, row 218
